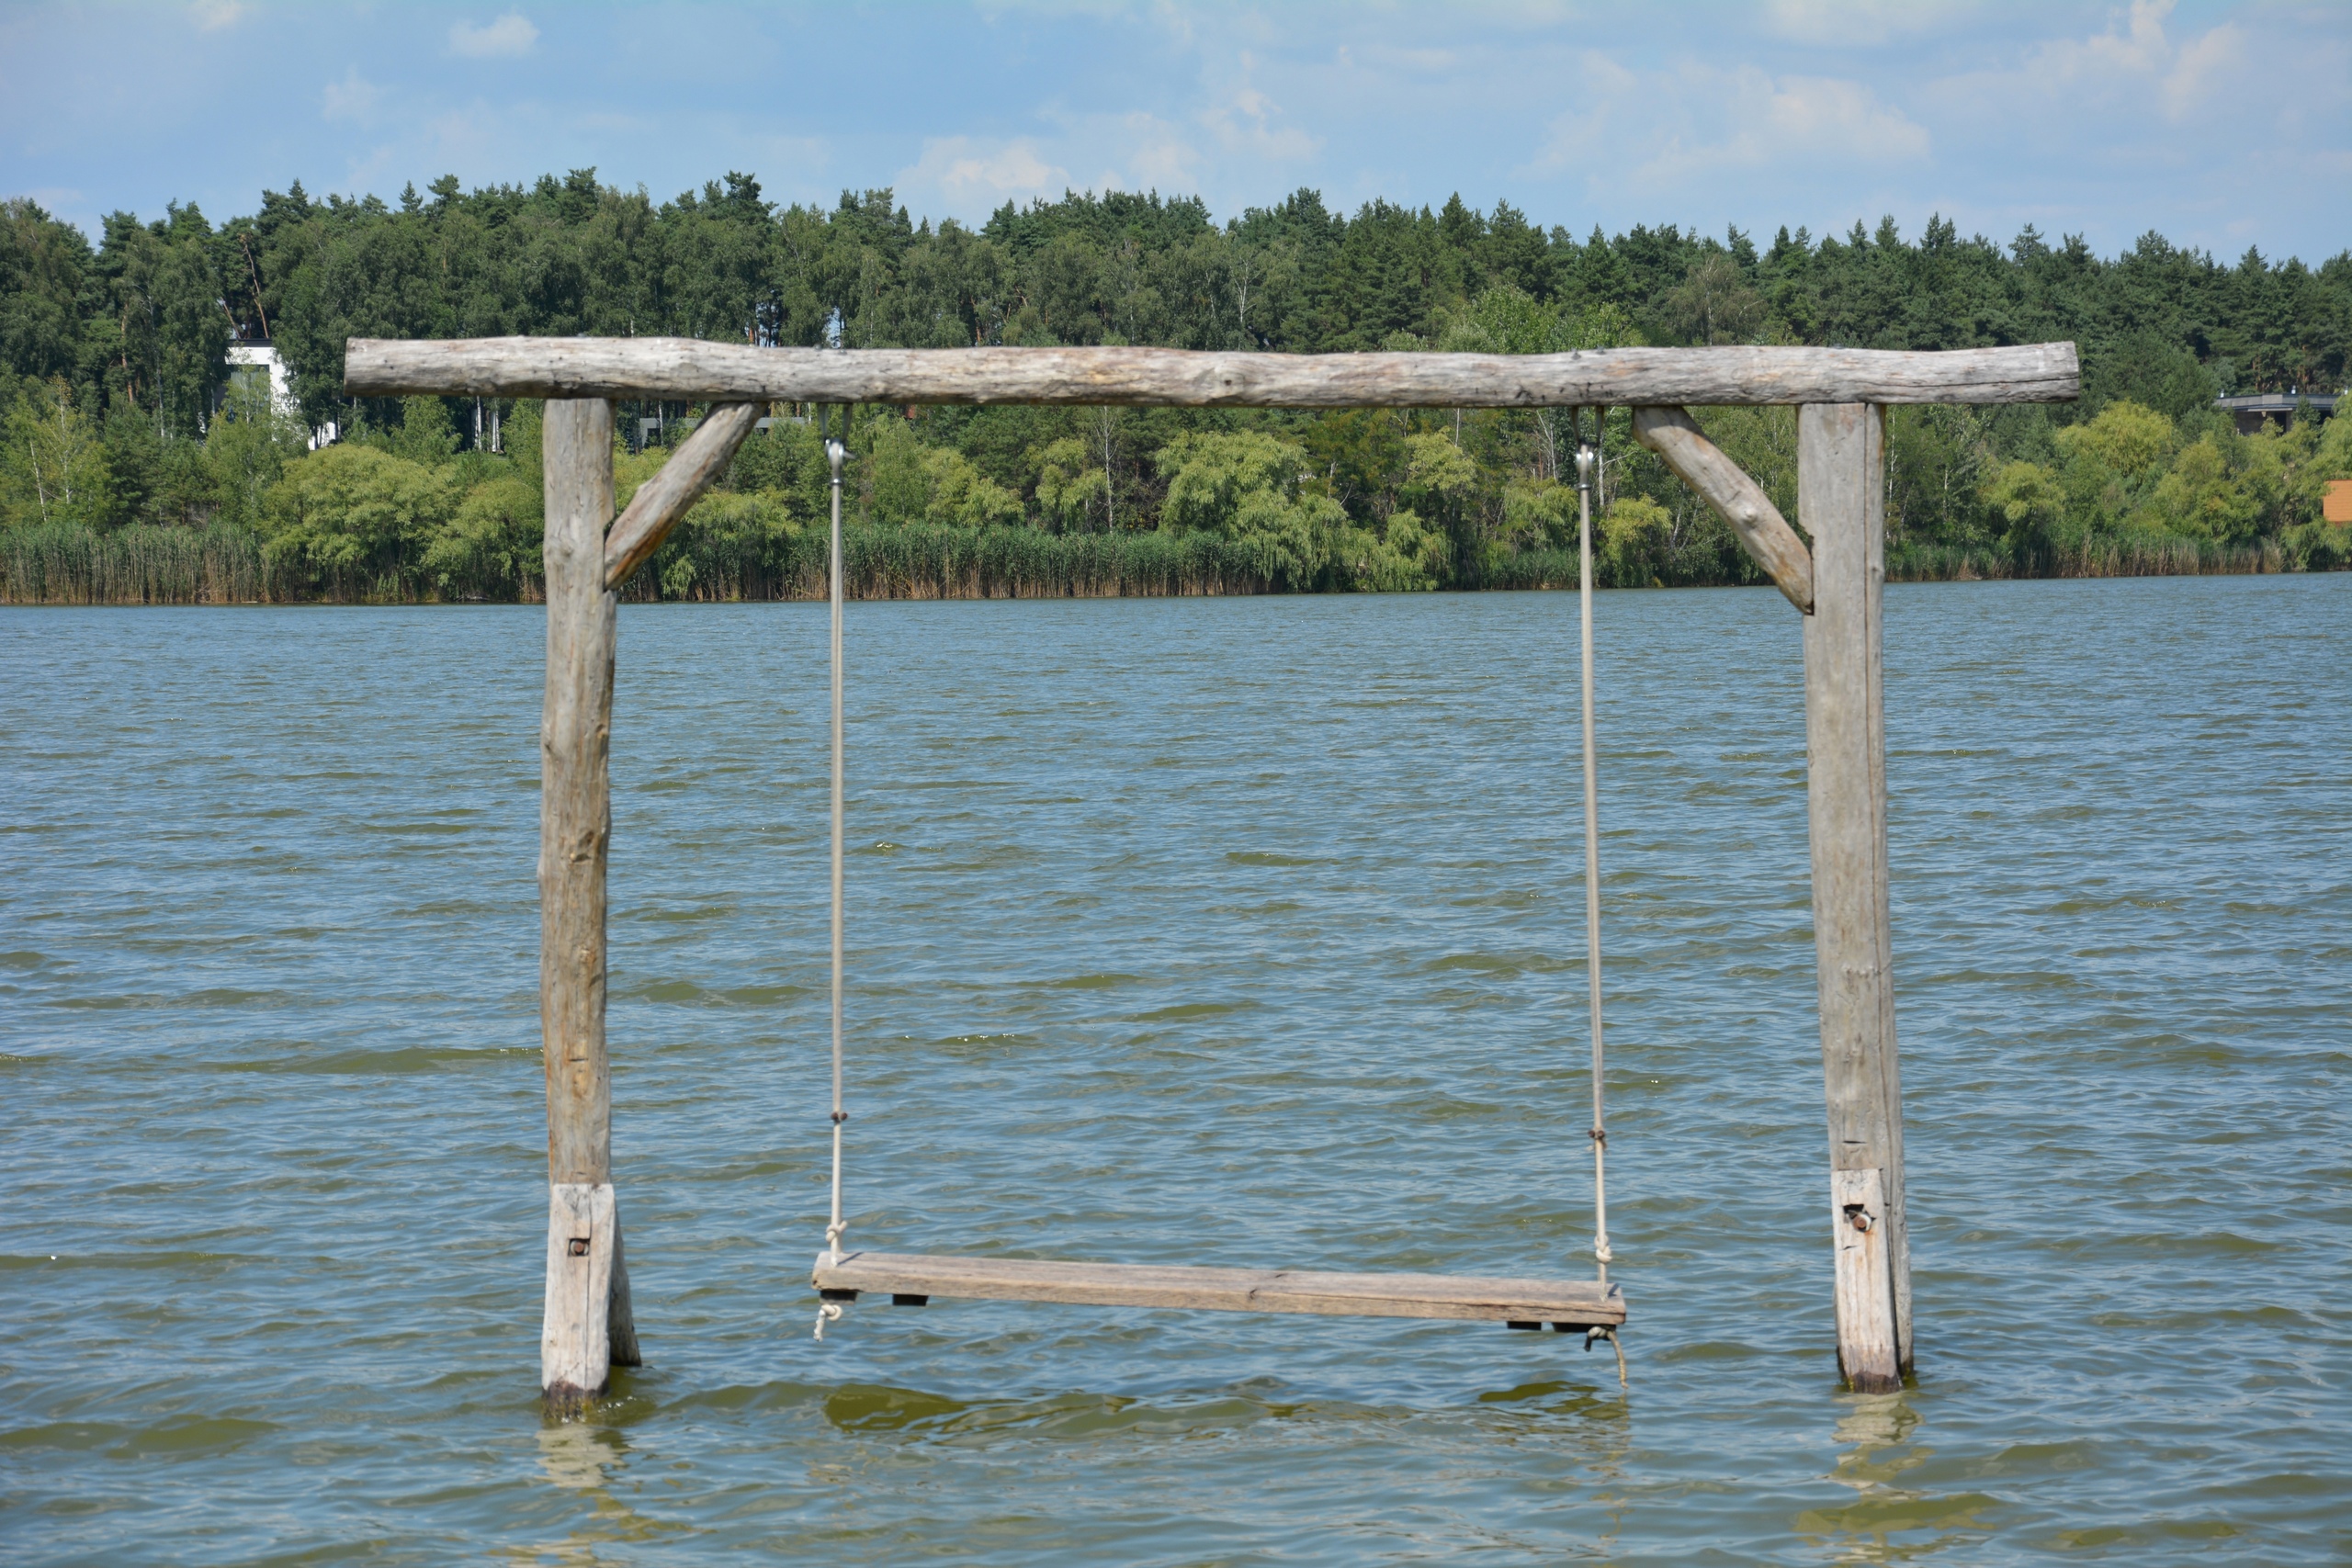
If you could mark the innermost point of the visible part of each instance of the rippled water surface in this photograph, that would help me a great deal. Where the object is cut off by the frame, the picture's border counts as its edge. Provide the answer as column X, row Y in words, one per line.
column 1231, row 931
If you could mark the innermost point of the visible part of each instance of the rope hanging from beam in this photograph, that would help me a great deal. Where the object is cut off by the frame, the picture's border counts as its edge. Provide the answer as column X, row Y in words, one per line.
column 1587, row 459
column 834, row 453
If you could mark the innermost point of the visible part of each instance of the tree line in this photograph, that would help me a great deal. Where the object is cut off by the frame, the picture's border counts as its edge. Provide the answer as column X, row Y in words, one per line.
column 136, row 465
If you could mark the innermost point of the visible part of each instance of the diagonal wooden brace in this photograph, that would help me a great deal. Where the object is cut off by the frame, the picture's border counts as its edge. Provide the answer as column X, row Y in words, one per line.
column 1739, row 500
column 660, row 501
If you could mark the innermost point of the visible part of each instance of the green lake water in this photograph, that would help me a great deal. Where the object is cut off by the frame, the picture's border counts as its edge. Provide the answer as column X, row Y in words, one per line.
column 1231, row 931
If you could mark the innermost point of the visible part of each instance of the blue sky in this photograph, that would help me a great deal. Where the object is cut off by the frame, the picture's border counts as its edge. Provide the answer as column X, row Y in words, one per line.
column 2221, row 125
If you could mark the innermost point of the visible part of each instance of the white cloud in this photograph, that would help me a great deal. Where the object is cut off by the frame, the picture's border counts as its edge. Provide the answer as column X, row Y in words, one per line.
column 2133, row 65
column 1821, row 113
column 1668, row 128
column 211, row 15
column 350, row 98
column 2192, row 78
column 1159, row 159
column 1845, row 23
column 1244, row 120
column 2137, row 48
column 967, row 171
column 968, row 177
column 511, row 34
column 367, row 169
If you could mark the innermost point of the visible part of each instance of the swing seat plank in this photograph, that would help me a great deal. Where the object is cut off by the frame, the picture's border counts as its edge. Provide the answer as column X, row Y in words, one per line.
column 1478, row 1299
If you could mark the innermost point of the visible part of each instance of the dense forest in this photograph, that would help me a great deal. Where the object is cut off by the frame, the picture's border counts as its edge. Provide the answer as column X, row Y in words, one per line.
column 141, row 466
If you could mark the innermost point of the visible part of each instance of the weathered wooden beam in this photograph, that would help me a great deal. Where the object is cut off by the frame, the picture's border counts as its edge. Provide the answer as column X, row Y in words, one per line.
column 1739, row 500
column 579, row 1332
column 1841, row 499
column 1460, row 1298
column 690, row 370
column 660, row 501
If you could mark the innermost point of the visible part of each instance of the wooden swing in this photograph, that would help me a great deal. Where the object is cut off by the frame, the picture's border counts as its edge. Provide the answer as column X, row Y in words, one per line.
column 1834, row 581
column 1592, row 1307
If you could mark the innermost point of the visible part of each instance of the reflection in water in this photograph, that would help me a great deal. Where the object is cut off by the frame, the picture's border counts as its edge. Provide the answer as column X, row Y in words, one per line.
column 1876, row 1429
column 867, row 1407
column 575, row 1454
column 1874, row 1421
column 579, row 1457
column 1608, row 1415
column 1596, row 1425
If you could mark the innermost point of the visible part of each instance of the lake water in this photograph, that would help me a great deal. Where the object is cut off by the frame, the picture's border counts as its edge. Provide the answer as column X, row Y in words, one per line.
column 1241, row 932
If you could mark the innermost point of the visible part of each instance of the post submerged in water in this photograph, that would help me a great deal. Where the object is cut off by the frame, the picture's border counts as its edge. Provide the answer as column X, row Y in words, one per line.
column 588, row 1327
column 1841, row 499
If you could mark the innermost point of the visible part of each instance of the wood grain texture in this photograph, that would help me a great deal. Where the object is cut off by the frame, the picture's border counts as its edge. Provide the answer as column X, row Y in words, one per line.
column 690, row 370
column 1865, row 1282
column 1890, row 1064
column 1463, row 1298
column 1739, row 500
column 620, row 1314
column 588, row 1326
column 1841, row 501
column 660, row 501
column 575, row 1329
column 575, row 793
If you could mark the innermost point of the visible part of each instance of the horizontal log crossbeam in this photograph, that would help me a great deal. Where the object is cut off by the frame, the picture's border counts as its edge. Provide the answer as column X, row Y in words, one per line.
column 690, row 370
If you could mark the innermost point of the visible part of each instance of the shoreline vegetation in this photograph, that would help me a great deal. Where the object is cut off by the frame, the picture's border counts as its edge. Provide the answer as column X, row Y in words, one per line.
column 139, row 466
column 225, row 566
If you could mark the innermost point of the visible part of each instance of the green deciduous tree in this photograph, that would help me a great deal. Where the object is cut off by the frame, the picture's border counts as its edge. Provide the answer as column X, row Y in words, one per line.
column 54, row 466
column 1071, row 489
column 361, row 519
column 249, row 444
column 1714, row 304
column 1246, row 486
column 2127, row 437
column 2203, row 494
column 1635, row 544
column 2029, row 501
column 491, row 545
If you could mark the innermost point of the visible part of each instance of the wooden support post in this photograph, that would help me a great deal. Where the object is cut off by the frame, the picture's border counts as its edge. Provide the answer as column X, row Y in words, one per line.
column 1841, row 503
column 587, row 1327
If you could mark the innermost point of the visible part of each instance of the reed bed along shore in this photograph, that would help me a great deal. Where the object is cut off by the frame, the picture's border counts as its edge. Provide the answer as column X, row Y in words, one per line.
column 218, row 565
